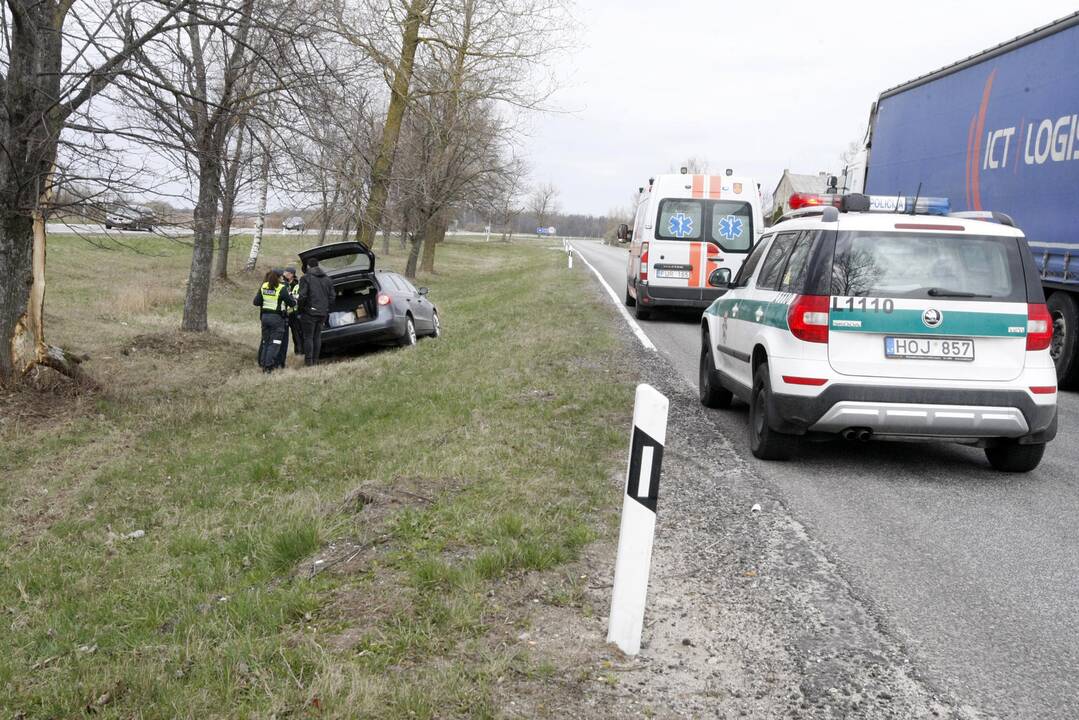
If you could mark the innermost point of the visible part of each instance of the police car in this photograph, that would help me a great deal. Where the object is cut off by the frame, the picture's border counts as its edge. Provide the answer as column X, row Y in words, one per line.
column 886, row 318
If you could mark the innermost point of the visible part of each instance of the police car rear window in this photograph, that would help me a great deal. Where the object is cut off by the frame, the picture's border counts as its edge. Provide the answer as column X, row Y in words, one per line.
column 937, row 266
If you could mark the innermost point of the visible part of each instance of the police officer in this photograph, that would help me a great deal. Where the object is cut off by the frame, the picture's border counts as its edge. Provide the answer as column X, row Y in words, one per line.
column 292, row 286
column 274, row 300
column 316, row 296
column 294, row 316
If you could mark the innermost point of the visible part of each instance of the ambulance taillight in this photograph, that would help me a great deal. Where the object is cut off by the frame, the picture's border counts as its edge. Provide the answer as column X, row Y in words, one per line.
column 644, row 262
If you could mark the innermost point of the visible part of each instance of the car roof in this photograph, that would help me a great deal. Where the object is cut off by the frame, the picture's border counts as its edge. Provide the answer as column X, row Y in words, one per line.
column 890, row 222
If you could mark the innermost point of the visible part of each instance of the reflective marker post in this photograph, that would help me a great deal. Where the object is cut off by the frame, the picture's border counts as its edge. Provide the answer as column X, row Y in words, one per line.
column 634, row 561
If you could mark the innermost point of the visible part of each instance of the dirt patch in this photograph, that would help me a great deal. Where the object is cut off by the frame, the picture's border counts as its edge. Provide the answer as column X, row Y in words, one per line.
column 45, row 399
column 177, row 344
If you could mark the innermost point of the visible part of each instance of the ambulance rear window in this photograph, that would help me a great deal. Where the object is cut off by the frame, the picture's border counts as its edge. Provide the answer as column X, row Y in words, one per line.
column 729, row 223
column 679, row 220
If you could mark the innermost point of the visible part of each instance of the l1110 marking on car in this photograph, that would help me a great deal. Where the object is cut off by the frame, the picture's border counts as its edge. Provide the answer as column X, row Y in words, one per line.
column 639, row 502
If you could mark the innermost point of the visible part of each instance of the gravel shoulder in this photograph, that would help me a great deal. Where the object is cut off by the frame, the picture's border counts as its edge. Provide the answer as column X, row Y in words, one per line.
column 747, row 614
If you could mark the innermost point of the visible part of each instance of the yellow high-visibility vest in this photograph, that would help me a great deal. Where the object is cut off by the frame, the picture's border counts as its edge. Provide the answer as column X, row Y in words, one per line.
column 271, row 297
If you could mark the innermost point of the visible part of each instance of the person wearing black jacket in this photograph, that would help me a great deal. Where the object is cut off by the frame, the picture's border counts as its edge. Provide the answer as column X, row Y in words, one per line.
column 316, row 297
column 274, row 300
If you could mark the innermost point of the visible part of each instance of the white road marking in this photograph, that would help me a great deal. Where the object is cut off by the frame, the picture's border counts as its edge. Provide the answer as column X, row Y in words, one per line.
column 648, row 344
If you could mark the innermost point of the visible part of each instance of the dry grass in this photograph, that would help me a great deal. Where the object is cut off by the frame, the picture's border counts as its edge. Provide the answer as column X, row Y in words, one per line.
column 242, row 481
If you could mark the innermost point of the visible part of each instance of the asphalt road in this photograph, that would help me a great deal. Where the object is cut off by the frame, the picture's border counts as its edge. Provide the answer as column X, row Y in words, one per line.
column 975, row 572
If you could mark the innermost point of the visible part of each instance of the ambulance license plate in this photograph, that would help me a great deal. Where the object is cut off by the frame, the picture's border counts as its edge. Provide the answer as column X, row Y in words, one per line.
column 674, row 274
column 922, row 348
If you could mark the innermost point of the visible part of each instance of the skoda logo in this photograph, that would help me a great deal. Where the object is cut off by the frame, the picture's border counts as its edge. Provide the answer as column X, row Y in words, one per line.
column 932, row 318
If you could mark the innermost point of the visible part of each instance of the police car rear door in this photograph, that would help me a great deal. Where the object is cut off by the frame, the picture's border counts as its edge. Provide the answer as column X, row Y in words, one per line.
column 928, row 304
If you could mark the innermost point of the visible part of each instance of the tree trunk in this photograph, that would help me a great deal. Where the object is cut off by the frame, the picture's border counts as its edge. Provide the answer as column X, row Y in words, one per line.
column 416, row 240
column 348, row 226
column 198, row 280
column 404, row 237
column 224, row 238
column 228, row 206
column 386, row 241
column 260, row 221
column 328, row 211
column 434, row 237
column 371, row 219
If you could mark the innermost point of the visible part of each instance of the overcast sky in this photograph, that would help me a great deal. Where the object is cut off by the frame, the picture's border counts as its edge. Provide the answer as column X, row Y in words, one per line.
column 754, row 86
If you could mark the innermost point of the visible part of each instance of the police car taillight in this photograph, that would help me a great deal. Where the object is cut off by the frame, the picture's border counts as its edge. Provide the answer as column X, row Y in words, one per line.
column 1039, row 327
column 644, row 262
column 383, row 299
column 807, row 318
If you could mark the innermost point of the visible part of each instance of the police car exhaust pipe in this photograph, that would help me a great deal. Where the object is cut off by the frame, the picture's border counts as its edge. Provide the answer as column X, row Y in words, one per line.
column 859, row 434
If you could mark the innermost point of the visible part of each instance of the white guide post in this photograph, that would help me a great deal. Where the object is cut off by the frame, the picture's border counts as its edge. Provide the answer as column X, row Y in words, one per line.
column 634, row 561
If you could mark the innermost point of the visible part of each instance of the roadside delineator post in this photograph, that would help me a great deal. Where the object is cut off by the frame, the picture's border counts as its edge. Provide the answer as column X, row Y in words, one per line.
column 634, row 561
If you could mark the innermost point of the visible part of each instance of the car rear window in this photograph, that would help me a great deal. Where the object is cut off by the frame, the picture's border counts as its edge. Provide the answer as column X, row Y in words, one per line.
column 938, row 266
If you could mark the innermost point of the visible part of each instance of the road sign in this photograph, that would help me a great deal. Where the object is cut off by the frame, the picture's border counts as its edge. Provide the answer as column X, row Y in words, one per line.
column 634, row 561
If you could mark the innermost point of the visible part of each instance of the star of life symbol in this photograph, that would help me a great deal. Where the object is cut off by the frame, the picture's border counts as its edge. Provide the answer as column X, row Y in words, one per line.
column 730, row 227
column 680, row 225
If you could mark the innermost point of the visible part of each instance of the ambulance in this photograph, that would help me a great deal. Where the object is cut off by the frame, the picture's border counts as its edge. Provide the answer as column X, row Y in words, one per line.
column 690, row 235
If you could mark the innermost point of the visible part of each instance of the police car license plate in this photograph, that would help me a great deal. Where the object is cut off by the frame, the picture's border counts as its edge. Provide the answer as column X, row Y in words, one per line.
column 674, row 274
column 921, row 348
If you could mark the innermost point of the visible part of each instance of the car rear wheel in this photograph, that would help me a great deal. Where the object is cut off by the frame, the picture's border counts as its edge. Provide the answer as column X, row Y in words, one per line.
column 1065, row 344
column 764, row 442
column 712, row 393
column 409, row 338
column 1015, row 458
column 630, row 300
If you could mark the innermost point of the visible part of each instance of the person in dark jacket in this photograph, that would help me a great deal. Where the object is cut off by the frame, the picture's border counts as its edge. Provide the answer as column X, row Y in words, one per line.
column 274, row 300
column 292, row 319
column 316, row 297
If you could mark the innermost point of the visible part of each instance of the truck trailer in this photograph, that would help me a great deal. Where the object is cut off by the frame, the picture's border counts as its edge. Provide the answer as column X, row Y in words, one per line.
column 998, row 132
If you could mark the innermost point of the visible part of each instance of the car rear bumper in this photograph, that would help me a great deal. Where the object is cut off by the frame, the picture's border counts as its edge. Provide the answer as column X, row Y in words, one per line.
column 659, row 296
column 918, row 412
column 382, row 329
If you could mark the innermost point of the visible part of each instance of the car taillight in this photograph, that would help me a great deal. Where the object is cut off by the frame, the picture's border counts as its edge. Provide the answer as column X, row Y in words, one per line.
column 807, row 318
column 383, row 299
column 644, row 262
column 1039, row 327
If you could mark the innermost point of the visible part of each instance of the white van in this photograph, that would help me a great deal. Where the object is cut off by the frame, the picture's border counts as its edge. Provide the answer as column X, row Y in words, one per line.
column 689, row 237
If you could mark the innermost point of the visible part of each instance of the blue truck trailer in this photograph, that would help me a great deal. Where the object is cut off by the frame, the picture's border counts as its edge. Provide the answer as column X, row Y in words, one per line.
column 998, row 131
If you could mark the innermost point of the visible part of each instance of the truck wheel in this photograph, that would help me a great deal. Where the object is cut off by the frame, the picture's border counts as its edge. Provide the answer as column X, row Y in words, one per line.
column 1065, row 314
column 1015, row 458
column 712, row 392
column 764, row 442
column 630, row 300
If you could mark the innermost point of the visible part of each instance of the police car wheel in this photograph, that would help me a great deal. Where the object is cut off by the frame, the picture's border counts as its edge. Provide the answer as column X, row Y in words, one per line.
column 630, row 300
column 1065, row 315
column 1015, row 458
column 764, row 442
column 712, row 393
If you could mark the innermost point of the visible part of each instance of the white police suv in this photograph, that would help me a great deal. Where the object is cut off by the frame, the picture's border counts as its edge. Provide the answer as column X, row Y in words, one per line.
column 888, row 318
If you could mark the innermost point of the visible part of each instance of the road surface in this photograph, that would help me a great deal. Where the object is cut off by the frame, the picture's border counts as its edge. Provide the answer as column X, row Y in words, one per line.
column 975, row 572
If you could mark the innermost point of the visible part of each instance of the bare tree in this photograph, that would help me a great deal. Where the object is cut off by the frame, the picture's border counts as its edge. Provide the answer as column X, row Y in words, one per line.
column 543, row 202
column 55, row 57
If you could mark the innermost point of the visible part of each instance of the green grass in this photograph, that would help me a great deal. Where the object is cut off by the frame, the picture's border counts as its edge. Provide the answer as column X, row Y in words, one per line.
column 509, row 426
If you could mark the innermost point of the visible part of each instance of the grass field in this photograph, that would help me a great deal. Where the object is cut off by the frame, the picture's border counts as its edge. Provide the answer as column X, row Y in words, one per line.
column 196, row 539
